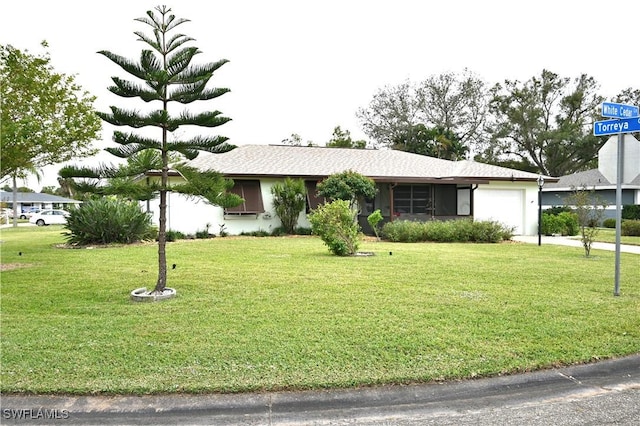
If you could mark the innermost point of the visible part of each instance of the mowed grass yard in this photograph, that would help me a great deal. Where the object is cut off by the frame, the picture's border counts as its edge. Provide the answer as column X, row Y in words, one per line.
column 282, row 313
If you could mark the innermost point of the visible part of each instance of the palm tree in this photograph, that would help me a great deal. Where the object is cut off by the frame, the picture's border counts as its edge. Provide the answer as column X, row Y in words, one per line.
column 168, row 76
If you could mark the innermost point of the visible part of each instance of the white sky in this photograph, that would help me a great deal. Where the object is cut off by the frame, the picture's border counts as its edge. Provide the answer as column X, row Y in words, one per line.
column 306, row 66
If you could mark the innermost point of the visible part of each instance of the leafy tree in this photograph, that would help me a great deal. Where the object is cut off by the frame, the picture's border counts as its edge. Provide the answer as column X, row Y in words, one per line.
column 349, row 186
column 168, row 76
column 629, row 96
column 455, row 103
column 590, row 210
column 296, row 140
column 52, row 190
column 435, row 142
column 546, row 123
column 391, row 113
column 289, row 199
column 7, row 188
column 45, row 116
column 342, row 139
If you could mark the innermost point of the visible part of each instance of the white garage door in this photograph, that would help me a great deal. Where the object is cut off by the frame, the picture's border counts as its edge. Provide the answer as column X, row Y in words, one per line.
column 503, row 205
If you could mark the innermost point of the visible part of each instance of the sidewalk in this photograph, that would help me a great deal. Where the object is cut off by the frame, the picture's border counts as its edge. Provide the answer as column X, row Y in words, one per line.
column 573, row 242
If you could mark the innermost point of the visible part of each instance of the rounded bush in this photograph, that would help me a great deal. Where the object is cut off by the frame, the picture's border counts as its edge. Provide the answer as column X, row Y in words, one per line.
column 564, row 223
column 335, row 224
column 609, row 223
column 106, row 221
column 630, row 228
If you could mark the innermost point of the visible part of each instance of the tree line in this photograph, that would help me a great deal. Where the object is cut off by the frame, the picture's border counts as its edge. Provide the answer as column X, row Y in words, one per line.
column 542, row 125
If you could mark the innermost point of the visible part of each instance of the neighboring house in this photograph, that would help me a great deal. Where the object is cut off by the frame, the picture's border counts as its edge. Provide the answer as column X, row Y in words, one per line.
column 410, row 186
column 32, row 200
column 602, row 180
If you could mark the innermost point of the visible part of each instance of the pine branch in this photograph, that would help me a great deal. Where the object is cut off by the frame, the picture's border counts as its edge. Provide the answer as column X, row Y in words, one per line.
column 125, row 63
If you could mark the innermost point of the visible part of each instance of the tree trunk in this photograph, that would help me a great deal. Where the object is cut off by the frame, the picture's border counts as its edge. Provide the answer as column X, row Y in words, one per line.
column 15, row 201
column 162, row 241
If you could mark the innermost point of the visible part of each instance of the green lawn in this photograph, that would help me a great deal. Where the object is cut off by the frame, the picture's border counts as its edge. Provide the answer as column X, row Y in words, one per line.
column 607, row 235
column 282, row 313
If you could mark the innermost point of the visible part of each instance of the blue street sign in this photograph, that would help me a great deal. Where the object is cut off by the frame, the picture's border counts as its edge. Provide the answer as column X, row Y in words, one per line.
column 612, row 110
column 612, row 127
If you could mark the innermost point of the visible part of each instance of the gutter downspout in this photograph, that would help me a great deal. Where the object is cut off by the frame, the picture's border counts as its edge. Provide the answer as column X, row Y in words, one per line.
column 391, row 186
column 472, row 201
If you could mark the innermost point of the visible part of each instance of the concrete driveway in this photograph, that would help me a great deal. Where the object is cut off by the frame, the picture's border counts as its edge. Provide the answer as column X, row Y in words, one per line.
column 575, row 242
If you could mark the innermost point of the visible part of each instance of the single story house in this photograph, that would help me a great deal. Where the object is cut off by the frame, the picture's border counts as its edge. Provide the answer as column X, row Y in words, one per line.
column 410, row 186
column 31, row 200
column 602, row 180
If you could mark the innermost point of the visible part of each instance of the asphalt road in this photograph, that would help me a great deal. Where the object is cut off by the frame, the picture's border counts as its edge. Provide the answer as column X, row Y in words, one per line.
column 603, row 393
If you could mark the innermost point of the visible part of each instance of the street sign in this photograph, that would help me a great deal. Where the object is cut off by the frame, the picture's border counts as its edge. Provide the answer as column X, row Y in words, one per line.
column 612, row 127
column 611, row 110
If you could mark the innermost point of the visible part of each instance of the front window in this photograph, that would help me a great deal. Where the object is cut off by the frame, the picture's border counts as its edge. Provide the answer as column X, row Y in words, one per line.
column 313, row 199
column 412, row 199
column 250, row 192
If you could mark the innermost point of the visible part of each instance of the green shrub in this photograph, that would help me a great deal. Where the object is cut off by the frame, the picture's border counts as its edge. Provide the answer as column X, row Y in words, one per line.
column 464, row 230
column 405, row 231
column 570, row 220
column 630, row 228
column 490, row 232
column 334, row 223
column 551, row 224
column 279, row 231
column 446, row 231
column 374, row 219
column 301, row 230
column 259, row 233
column 556, row 210
column 563, row 223
column 108, row 220
column 439, row 231
column 204, row 233
column 289, row 199
column 609, row 223
column 172, row 235
column 631, row 211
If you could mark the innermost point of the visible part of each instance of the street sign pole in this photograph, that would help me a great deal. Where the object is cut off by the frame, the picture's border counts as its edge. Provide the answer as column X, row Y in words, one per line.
column 616, row 288
column 627, row 121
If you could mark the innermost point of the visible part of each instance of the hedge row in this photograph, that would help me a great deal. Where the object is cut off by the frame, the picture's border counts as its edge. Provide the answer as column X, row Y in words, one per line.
column 465, row 230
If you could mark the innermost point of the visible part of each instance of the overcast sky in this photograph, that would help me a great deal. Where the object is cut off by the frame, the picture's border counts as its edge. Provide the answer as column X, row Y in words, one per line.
column 307, row 66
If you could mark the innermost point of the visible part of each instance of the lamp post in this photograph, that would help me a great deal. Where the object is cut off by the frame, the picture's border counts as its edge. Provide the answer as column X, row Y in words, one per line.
column 540, row 182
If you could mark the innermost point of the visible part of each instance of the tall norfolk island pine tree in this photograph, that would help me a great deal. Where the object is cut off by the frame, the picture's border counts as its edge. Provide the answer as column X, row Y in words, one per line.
column 168, row 76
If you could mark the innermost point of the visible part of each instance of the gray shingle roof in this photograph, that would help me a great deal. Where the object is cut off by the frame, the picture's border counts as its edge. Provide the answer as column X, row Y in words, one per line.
column 589, row 178
column 296, row 161
column 34, row 197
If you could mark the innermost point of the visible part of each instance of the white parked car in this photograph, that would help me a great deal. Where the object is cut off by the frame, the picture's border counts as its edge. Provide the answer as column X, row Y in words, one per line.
column 49, row 217
column 26, row 214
